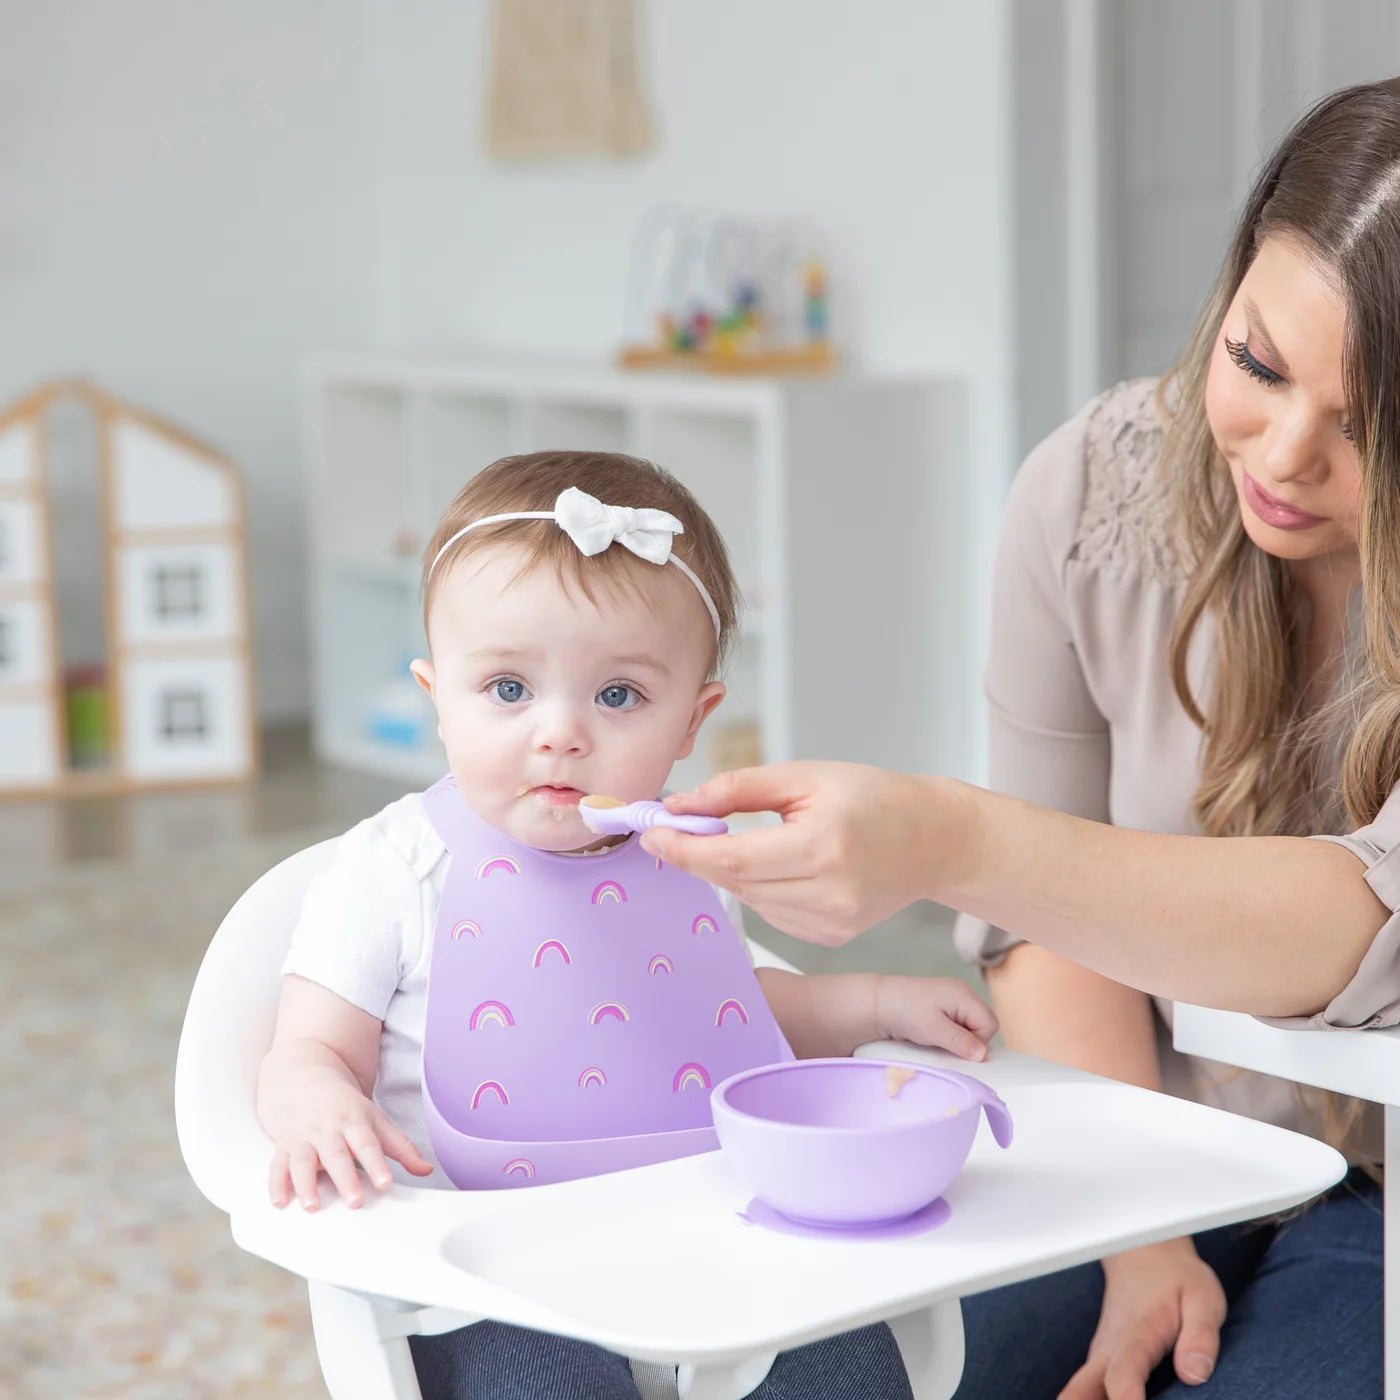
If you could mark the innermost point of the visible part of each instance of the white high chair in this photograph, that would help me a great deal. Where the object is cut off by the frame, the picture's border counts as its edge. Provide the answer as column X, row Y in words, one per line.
column 1097, row 1167
column 371, row 1288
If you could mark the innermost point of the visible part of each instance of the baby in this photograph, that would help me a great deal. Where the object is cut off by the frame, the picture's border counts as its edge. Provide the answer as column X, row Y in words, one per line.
column 574, row 648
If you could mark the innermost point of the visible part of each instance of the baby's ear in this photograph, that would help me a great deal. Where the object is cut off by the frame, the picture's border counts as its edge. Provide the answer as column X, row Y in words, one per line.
column 710, row 696
column 423, row 674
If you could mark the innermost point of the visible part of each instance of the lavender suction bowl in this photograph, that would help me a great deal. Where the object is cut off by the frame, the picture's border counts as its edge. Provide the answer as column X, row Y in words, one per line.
column 826, row 1142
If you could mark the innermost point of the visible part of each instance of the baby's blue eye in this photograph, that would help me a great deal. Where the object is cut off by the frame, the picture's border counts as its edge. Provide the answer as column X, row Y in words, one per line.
column 618, row 697
column 508, row 692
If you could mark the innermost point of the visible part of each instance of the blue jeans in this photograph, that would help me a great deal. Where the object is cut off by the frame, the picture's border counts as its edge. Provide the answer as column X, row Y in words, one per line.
column 494, row 1361
column 1305, row 1319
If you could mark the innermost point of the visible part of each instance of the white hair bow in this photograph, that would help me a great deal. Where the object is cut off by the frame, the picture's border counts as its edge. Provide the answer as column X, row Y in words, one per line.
column 593, row 526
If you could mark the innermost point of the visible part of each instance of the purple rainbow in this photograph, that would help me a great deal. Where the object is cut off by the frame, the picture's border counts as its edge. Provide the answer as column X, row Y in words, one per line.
column 609, row 890
column 690, row 1074
column 604, row 1009
column 703, row 923
column 492, row 863
column 522, row 1166
column 592, row 1076
column 496, row 1011
column 466, row 926
column 737, row 1007
column 495, row 1088
column 558, row 947
column 661, row 963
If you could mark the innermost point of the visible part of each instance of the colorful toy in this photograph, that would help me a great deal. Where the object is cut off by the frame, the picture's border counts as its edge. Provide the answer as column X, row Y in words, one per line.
column 727, row 294
column 173, row 701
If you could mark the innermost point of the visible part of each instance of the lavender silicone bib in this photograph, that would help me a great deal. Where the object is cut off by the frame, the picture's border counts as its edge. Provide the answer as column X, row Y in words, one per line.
column 579, row 1009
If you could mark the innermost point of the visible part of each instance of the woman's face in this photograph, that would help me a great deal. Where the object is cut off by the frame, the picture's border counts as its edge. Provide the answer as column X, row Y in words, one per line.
column 1276, row 408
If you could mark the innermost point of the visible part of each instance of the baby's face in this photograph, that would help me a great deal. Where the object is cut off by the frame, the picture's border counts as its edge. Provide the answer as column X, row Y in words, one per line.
column 542, row 697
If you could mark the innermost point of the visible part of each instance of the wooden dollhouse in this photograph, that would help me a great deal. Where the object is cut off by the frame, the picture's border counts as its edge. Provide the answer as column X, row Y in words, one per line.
column 170, row 701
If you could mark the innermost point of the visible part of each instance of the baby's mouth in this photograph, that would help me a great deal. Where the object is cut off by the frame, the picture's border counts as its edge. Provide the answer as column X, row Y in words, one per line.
column 557, row 801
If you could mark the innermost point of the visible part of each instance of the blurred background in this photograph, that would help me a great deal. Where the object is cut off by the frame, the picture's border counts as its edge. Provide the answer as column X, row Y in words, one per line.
column 276, row 278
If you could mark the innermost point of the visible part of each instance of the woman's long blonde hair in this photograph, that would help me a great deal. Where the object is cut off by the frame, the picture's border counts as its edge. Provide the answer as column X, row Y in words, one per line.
column 1270, row 764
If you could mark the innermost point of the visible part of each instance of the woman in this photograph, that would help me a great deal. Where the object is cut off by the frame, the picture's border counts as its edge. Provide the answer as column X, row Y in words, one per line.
column 1196, row 635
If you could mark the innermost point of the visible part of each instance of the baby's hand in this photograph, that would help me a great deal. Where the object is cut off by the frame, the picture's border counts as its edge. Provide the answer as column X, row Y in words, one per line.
column 941, row 1012
column 338, row 1129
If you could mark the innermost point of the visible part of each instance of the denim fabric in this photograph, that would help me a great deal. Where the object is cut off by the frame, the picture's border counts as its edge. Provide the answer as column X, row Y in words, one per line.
column 493, row 1361
column 1305, row 1319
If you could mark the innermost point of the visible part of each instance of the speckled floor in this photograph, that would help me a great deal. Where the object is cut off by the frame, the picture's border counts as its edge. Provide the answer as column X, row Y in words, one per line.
column 117, row 1280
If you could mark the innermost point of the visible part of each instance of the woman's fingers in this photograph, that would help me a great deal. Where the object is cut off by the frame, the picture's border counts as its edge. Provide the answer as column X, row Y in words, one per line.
column 734, row 862
column 1087, row 1382
column 1202, row 1316
column 768, row 789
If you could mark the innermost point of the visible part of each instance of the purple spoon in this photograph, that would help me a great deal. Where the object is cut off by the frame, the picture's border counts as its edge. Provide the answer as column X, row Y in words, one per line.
column 609, row 817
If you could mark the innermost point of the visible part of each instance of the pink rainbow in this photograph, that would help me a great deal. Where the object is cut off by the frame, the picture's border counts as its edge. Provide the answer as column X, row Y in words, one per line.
column 604, row 1009
column 592, row 1076
column 609, row 891
column 558, row 947
column 493, row 863
column 737, row 1007
column 703, row 923
column 498, row 1090
column 493, row 1011
column 522, row 1166
column 690, row 1074
column 468, row 927
column 661, row 963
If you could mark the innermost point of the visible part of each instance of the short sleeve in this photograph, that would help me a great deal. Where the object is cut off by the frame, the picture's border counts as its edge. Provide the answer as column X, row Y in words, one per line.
column 361, row 923
column 1047, row 740
column 1372, row 998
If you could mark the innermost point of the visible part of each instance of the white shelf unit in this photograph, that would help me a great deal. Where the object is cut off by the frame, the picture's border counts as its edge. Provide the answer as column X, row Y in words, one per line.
column 842, row 501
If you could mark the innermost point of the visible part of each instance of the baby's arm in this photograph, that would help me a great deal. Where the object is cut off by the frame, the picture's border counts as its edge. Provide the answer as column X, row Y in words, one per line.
column 313, row 1099
column 831, row 1015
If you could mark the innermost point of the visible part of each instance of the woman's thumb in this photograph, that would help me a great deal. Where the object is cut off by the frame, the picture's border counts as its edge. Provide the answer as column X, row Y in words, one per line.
column 1198, row 1344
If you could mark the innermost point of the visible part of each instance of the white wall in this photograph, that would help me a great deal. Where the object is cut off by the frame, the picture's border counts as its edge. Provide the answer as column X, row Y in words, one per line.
column 182, row 218
column 889, row 124
column 193, row 195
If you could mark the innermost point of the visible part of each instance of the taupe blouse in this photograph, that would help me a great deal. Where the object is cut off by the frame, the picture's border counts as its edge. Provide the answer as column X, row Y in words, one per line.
column 1083, row 716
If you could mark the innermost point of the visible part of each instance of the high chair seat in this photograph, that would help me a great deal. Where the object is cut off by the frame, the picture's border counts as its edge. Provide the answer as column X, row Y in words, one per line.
column 1096, row 1168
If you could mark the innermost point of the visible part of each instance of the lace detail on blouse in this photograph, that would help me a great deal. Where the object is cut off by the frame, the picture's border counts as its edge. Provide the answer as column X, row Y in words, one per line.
column 1125, row 519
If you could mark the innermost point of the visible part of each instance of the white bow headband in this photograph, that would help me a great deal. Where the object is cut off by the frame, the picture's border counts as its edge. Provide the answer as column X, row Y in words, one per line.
column 593, row 527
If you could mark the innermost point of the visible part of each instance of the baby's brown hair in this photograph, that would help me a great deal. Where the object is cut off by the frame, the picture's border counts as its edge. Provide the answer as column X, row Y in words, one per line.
column 534, row 480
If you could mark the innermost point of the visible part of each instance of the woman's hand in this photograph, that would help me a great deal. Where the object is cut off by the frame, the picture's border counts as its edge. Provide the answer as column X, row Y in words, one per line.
column 856, row 843
column 1164, row 1298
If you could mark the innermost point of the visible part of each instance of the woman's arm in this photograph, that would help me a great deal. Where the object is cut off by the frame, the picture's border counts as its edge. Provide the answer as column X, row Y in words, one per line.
column 1271, row 925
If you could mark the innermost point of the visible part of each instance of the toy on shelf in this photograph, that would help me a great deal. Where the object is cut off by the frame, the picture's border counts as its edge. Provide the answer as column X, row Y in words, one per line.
column 170, row 700
column 727, row 295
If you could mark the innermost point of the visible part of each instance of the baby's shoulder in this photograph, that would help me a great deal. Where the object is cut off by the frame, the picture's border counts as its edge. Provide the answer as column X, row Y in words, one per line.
column 398, row 838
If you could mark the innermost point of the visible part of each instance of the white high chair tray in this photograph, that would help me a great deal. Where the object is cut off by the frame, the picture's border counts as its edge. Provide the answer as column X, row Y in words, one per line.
column 657, row 1264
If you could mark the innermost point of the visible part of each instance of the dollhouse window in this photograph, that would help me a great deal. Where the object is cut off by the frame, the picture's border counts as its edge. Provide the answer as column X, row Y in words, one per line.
column 178, row 590
column 184, row 715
